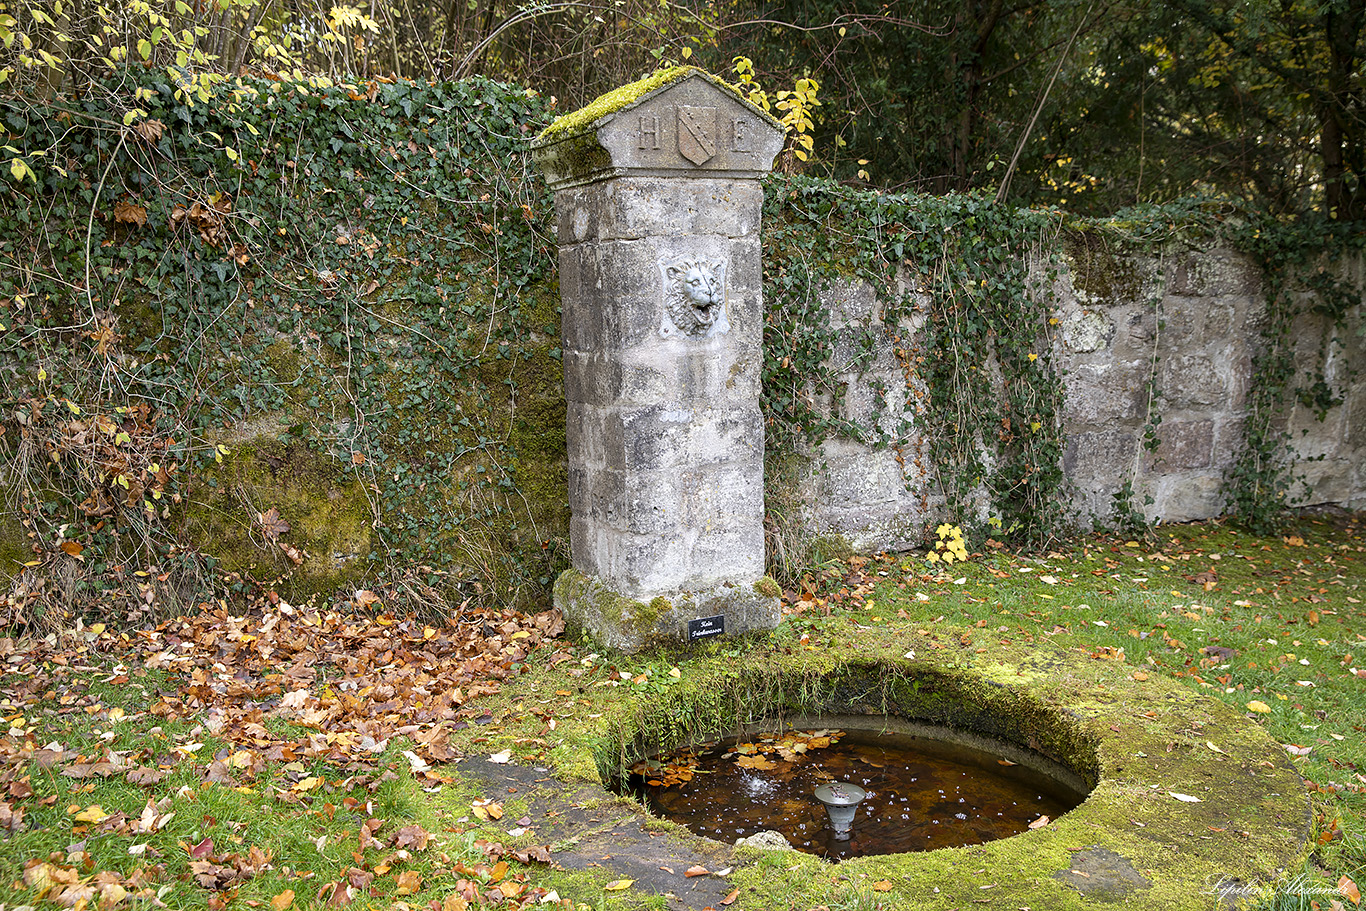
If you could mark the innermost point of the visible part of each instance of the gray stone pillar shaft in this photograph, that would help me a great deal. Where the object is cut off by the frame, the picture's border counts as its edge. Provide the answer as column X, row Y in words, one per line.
column 659, row 205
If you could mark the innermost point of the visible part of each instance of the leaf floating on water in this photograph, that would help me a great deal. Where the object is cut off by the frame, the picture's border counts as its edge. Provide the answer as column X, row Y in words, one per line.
column 1039, row 823
column 1005, row 762
column 756, row 762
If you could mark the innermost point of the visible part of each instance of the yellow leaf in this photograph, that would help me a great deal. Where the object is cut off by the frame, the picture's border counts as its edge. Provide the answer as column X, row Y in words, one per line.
column 308, row 784
column 618, row 885
column 1258, row 706
column 282, row 901
column 93, row 813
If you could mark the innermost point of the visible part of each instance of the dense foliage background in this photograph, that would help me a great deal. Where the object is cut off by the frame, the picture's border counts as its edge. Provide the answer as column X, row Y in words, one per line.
column 278, row 300
column 1090, row 104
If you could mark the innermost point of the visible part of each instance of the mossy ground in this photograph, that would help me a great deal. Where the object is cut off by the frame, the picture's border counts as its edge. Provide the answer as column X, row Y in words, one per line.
column 1142, row 654
column 1169, row 639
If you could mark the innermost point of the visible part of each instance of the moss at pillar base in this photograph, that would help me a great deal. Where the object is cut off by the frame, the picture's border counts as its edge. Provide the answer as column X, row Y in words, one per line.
column 622, row 623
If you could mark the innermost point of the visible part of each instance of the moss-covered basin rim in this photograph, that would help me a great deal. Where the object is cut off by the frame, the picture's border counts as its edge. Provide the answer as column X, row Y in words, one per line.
column 1191, row 799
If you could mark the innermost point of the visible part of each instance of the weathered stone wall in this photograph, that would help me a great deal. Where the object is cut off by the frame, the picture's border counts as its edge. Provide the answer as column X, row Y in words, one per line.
column 1156, row 353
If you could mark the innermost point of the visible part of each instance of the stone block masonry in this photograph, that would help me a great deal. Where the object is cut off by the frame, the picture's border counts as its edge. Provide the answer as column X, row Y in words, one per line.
column 658, row 207
column 1156, row 356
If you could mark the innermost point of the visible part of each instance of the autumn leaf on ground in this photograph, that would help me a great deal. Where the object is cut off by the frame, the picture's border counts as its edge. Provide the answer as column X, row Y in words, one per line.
column 882, row 885
column 413, row 836
column 696, row 870
column 618, row 885
column 92, row 813
column 487, row 809
column 282, row 901
column 729, row 899
column 1349, row 890
column 409, row 882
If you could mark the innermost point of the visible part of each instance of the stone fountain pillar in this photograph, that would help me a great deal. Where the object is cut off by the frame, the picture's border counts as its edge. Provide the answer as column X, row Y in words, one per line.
column 658, row 202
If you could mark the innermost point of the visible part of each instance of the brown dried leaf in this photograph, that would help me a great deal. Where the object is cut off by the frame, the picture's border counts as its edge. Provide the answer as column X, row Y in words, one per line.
column 129, row 213
column 272, row 525
column 413, row 836
column 150, row 130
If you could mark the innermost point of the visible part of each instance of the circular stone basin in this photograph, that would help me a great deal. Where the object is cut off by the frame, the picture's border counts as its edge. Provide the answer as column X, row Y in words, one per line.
column 1189, row 803
column 927, row 787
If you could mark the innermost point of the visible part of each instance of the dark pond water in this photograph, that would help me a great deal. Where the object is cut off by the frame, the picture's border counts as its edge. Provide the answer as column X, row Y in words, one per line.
column 922, row 794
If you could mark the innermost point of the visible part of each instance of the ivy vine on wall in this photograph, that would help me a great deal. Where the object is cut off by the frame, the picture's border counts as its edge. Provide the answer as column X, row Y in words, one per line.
column 312, row 335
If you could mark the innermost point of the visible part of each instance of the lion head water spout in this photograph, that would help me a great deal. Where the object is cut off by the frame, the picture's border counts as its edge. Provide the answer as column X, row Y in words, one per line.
column 841, row 801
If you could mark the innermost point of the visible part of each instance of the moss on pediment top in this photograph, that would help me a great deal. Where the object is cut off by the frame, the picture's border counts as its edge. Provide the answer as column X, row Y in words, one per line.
column 619, row 99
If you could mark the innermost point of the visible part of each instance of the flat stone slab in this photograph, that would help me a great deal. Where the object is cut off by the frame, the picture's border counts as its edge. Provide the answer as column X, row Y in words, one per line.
column 1101, row 874
column 591, row 830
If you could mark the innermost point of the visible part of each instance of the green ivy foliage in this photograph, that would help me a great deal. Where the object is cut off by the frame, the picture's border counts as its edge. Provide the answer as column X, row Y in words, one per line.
column 367, row 272
column 1298, row 260
column 352, row 291
column 981, row 392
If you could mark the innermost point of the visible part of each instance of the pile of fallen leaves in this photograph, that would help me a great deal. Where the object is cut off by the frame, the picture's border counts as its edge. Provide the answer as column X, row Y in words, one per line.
column 356, row 680
column 345, row 683
column 279, row 689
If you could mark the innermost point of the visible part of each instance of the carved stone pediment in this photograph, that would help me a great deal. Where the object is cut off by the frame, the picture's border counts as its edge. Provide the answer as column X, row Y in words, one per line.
column 681, row 120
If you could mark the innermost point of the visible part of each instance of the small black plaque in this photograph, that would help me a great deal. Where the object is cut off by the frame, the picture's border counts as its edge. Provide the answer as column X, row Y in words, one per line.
column 703, row 627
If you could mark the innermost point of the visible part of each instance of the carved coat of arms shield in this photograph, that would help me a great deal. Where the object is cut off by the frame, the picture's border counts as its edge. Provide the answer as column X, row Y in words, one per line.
column 696, row 133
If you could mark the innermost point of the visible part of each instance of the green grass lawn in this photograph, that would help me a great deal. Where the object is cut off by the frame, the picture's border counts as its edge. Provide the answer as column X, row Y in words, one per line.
column 113, row 800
